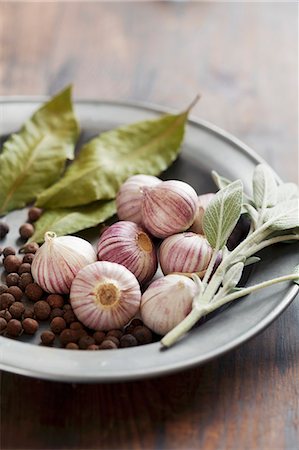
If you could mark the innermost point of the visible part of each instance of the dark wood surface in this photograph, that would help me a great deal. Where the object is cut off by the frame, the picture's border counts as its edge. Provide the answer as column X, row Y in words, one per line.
column 242, row 58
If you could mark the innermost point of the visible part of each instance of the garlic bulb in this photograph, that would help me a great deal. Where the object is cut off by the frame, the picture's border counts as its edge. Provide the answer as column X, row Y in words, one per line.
column 166, row 302
column 168, row 208
column 126, row 243
column 129, row 197
column 58, row 261
column 202, row 203
column 185, row 252
column 105, row 295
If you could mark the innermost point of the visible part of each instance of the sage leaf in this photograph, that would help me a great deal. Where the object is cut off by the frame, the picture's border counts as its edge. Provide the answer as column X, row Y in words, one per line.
column 233, row 276
column 222, row 214
column 106, row 161
column 287, row 191
column 70, row 220
column 283, row 216
column 252, row 260
column 264, row 187
column 221, row 182
column 34, row 158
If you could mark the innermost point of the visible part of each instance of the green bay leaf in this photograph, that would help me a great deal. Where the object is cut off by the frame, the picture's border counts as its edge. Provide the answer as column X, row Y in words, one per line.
column 70, row 220
column 106, row 161
column 34, row 158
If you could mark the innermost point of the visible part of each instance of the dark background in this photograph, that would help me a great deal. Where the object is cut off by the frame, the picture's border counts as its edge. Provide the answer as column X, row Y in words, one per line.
column 242, row 57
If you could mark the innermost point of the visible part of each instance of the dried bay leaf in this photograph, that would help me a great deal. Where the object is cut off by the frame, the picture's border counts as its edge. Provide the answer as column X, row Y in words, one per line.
column 104, row 163
column 70, row 220
column 34, row 158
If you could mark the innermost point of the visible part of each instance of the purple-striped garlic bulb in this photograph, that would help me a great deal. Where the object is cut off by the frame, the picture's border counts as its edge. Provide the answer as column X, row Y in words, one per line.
column 202, row 203
column 105, row 295
column 129, row 197
column 126, row 243
column 166, row 302
column 168, row 208
column 58, row 260
column 185, row 252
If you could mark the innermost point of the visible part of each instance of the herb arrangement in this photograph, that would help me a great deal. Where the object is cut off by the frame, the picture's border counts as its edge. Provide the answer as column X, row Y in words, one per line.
column 161, row 222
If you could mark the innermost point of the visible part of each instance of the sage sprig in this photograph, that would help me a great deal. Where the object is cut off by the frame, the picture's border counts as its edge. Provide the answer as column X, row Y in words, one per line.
column 274, row 219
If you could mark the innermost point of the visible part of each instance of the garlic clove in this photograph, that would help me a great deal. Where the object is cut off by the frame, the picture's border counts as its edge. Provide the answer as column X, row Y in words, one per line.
column 202, row 203
column 185, row 252
column 129, row 197
column 58, row 260
column 105, row 295
column 166, row 302
column 168, row 208
column 127, row 243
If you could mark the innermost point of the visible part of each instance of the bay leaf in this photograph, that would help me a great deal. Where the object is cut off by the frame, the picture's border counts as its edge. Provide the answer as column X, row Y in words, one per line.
column 264, row 187
column 34, row 158
column 222, row 214
column 104, row 163
column 70, row 220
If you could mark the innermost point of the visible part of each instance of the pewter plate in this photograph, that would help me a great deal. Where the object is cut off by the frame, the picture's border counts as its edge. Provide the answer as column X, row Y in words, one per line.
column 206, row 147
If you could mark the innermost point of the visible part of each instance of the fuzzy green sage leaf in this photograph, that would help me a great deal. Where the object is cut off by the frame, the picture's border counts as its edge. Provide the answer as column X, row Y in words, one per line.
column 70, row 220
column 283, row 216
column 264, row 187
column 222, row 214
column 33, row 159
column 105, row 162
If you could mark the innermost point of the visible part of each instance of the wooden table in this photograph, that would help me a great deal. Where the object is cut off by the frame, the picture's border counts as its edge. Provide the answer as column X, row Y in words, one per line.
column 242, row 58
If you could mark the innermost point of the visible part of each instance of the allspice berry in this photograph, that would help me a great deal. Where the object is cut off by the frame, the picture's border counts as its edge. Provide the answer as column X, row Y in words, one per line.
column 34, row 214
column 12, row 279
column 55, row 300
column 76, row 326
column 93, row 347
column 16, row 292
column 107, row 345
column 56, row 312
column 3, row 324
column 42, row 310
column 99, row 336
column 29, row 312
column 47, row 338
column 113, row 339
column 4, row 229
column 116, row 333
column 16, row 310
column 11, row 263
column 3, row 288
column 30, row 326
column 69, row 316
column 28, row 258
column 31, row 247
column 24, row 268
column 25, row 279
column 143, row 335
column 66, row 336
column 128, row 340
column 6, row 300
column 14, row 328
column 85, row 341
column 26, row 230
column 8, row 251
column 34, row 292
column 6, row 315
column 57, row 325
column 72, row 346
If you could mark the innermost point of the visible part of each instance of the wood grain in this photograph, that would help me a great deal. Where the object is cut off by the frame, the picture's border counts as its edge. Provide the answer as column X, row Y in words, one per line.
column 243, row 58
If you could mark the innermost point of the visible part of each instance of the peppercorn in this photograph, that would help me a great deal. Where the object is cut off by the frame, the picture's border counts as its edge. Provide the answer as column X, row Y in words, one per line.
column 93, row 347
column 34, row 214
column 28, row 258
column 69, row 316
column 26, row 230
column 143, row 335
column 25, row 279
column 14, row 328
column 8, row 251
column 16, row 292
column 107, row 345
column 99, row 336
column 4, row 229
column 16, row 310
column 24, row 268
column 30, row 326
column 113, row 339
column 12, row 279
column 3, row 324
column 47, row 338
column 34, row 292
column 85, row 341
column 72, row 346
column 76, row 326
column 116, row 333
column 3, row 288
column 6, row 300
column 11, row 263
column 128, row 340
column 55, row 300
column 57, row 325
column 29, row 312
column 31, row 247
column 56, row 312
column 66, row 336
column 42, row 310
column 6, row 315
